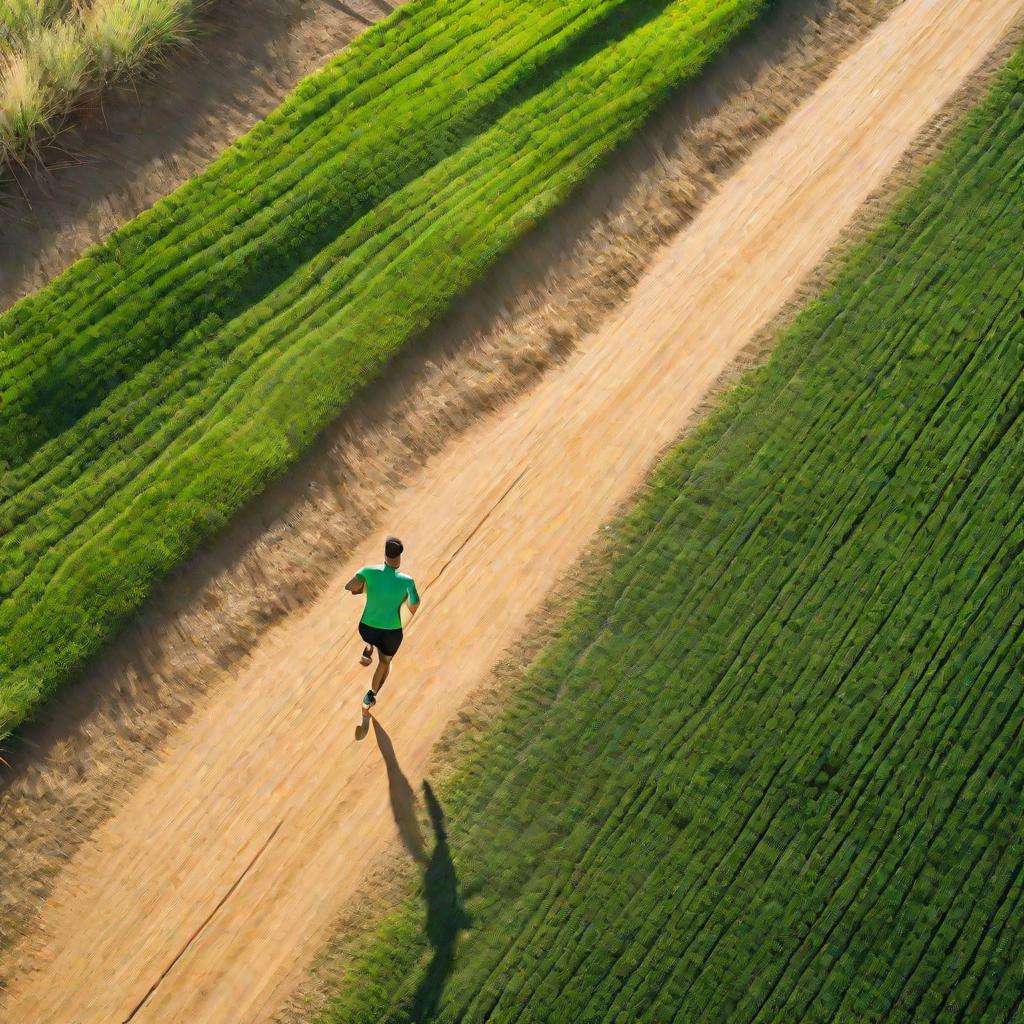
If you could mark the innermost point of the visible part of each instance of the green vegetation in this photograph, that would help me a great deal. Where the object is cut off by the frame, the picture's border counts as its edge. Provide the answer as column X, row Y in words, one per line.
column 53, row 52
column 163, row 379
column 772, row 768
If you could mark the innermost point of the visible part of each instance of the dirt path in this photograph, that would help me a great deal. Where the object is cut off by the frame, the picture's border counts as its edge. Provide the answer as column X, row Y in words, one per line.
column 144, row 141
column 203, row 898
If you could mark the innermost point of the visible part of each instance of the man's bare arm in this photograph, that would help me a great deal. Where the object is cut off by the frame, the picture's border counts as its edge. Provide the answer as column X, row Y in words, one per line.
column 413, row 599
column 356, row 585
column 413, row 609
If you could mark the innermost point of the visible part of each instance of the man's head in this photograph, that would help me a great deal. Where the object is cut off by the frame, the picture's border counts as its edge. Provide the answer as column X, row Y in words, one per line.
column 393, row 549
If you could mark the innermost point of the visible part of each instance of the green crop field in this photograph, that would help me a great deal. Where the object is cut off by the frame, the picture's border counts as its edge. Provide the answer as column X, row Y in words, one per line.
column 164, row 378
column 772, row 768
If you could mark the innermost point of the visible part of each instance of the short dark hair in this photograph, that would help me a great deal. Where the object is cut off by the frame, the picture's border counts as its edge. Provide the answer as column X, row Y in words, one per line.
column 393, row 547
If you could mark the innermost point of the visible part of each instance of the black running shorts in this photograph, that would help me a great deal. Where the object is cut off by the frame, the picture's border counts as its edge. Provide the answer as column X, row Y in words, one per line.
column 387, row 641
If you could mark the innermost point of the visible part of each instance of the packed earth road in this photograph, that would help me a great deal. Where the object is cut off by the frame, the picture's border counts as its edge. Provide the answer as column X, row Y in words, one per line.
column 205, row 896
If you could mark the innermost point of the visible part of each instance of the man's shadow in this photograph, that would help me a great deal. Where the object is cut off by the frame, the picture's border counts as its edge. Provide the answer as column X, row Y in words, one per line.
column 445, row 914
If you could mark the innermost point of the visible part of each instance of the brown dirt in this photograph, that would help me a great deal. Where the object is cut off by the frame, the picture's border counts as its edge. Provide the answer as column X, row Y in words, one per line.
column 135, row 144
column 204, row 895
column 96, row 740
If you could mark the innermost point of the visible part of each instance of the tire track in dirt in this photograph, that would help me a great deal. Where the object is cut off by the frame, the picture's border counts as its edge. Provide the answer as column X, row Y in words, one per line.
column 277, row 742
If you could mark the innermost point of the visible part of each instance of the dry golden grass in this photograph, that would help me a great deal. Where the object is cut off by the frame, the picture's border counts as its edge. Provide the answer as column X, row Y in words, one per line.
column 54, row 52
column 26, row 105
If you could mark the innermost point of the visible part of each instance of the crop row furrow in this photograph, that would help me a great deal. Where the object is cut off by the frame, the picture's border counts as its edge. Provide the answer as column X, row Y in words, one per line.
column 836, row 916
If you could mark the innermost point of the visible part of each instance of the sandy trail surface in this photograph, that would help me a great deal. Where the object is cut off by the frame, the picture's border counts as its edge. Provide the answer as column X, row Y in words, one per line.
column 205, row 895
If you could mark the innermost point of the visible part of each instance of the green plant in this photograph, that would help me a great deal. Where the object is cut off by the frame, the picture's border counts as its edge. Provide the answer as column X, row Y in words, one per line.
column 124, row 34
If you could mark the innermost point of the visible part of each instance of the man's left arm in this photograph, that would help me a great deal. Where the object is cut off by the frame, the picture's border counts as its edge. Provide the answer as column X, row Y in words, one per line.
column 413, row 597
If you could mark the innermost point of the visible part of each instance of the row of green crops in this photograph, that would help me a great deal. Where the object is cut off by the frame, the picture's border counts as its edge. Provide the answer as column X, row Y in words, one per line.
column 161, row 381
column 772, row 769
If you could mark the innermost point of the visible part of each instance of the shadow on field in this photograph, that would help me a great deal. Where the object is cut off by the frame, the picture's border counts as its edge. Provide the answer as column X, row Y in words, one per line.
column 445, row 915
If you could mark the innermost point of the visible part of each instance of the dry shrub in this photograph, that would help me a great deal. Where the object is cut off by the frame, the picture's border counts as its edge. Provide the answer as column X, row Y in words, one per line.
column 53, row 53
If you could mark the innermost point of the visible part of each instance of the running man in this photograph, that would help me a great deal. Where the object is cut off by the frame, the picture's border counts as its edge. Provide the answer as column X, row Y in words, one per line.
column 386, row 591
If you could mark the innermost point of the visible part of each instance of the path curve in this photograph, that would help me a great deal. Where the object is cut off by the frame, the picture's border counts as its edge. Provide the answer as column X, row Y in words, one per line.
column 205, row 896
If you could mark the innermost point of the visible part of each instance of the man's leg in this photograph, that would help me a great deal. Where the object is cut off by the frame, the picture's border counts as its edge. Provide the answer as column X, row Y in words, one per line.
column 367, row 656
column 380, row 672
column 379, row 675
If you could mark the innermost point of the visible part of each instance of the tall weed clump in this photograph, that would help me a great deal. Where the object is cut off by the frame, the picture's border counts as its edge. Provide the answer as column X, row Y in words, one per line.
column 54, row 52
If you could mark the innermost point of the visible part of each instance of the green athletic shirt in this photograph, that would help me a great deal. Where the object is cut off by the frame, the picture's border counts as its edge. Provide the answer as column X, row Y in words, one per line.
column 386, row 589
